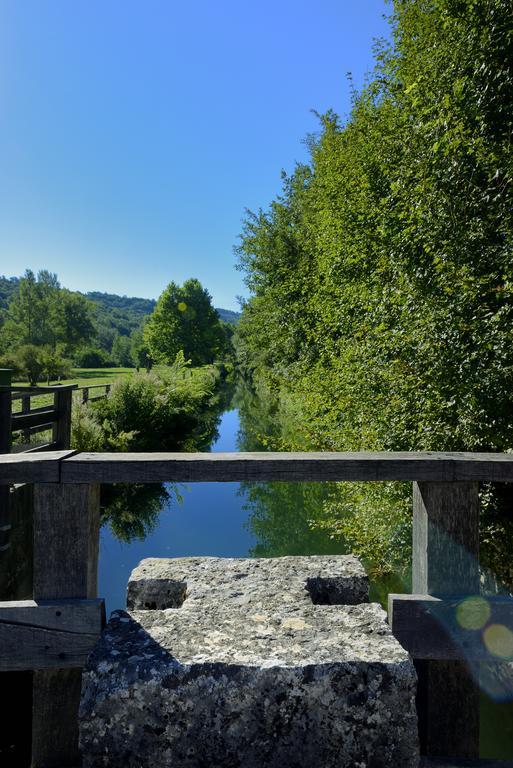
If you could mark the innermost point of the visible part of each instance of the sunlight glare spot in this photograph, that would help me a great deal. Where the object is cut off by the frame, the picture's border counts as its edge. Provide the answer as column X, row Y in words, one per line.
column 499, row 640
column 473, row 613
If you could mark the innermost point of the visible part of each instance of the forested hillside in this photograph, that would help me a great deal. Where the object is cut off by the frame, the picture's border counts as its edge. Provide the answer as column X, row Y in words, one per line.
column 45, row 328
column 381, row 278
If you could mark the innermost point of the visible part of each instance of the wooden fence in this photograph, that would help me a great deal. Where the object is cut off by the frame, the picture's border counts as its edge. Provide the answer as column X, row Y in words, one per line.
column 53, row 633
column 83, row 392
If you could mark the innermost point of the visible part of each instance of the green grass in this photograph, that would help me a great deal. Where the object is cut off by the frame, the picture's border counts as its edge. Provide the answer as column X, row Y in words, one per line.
column 88, row 376
column 84, row 377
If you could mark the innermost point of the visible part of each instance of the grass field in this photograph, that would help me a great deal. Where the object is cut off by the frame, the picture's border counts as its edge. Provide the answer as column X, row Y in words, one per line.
column 88, row 376
column 84, row 377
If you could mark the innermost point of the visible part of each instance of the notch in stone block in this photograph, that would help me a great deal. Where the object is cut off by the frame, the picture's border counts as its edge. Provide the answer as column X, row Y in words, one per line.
column 155, row 594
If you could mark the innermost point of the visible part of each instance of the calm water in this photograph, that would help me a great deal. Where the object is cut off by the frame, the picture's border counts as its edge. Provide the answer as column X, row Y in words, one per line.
column 209, row 521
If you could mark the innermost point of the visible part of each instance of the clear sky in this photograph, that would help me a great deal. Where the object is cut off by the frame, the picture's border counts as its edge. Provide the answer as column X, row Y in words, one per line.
column 134, row 133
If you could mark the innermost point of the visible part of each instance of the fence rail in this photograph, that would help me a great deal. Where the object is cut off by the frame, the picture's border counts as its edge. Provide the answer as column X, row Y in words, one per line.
column 85, row 396
column 29, row 420
column 445, row 573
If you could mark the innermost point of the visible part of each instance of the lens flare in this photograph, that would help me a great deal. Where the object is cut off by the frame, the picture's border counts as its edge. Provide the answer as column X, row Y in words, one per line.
column 499, row 641
column 182, row 306
column 473, row 613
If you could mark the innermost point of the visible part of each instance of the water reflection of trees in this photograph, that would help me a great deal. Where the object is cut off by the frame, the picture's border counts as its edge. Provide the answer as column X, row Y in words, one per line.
column 373, row 521
column 281, row 516
column 132, row 509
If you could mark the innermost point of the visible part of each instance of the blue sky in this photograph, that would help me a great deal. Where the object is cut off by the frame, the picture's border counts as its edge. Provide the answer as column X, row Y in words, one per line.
column 134, row 133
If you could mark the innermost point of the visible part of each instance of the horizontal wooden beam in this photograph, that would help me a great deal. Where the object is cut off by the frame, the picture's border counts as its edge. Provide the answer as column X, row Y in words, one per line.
column 21, row 391
column 48, row 634
column 35, row 418
column 473, row 628
column 92, row 386
column 31, row 467
column 41, row 447
column 236, row 467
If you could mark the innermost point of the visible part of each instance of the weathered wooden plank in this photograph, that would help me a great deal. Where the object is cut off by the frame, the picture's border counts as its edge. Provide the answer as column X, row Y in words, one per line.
column 66, row 538
column 234, row 467
column 445, row 562
column 5, row 447
column 225, row 467
column 41, row 447
column 445, row 538
column 66, row 534
column 48, row 634
column 63, row 400
column 36, row 418
column 31, row 467
column 22, row 390
column 468, row 628
column 55, row 702
column 16, row 561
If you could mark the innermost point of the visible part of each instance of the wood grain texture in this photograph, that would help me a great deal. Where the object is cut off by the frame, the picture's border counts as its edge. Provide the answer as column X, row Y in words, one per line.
column 48, row 635
column 56, row 698
column 63, row 401
column 66, row 532
column 445, row 538
column 448, row 709
column 430, row 628
column 5, row 447
column 16, row 571
column 233, row 467
column 446, row 562
column 327, row 466
column 35, row 418
column 31, row 467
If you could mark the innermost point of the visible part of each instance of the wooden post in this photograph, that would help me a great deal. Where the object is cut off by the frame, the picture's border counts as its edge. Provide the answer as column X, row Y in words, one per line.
column 85, row 395
column 5, row 447
column 66, row 541
column 446, row 562
column 62, row 427
column 25, row 408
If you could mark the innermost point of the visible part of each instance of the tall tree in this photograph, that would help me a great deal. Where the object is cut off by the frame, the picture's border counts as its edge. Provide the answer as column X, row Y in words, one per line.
column 41, row 313
column 185, row 320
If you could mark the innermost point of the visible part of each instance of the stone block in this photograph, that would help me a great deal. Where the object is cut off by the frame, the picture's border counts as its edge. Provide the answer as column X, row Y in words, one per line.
column 249, row 672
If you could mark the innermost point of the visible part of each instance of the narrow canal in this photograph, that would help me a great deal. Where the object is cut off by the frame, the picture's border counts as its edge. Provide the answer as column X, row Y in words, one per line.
column 220, row 519
column 210, row 519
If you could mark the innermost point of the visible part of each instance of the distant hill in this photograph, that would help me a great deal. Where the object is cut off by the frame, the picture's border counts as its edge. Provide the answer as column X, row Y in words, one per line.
column 8, row 287
column 228, row 315
column 131, row 304
column 114, row 314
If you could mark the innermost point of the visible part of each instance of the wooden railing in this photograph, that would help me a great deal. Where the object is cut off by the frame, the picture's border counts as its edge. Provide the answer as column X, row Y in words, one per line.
column 54, row 416
column 85, row 397
column 53, row 633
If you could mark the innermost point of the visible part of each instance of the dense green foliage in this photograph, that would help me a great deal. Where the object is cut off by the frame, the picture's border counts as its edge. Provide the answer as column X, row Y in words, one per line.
column 45, row 328
column 169, row 409
column 165, row 410
column 185, row 320
column 381, row 278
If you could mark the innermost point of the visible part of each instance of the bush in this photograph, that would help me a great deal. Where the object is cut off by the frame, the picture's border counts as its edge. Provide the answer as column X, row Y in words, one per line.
column 91, row 357
column 171, row 409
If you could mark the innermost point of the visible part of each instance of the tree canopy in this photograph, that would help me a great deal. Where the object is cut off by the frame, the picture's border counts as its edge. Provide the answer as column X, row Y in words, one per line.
column 184, row 320
column 381, row 278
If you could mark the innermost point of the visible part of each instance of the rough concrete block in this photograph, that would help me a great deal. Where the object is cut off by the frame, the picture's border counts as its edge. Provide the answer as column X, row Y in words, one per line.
column 249, row 672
